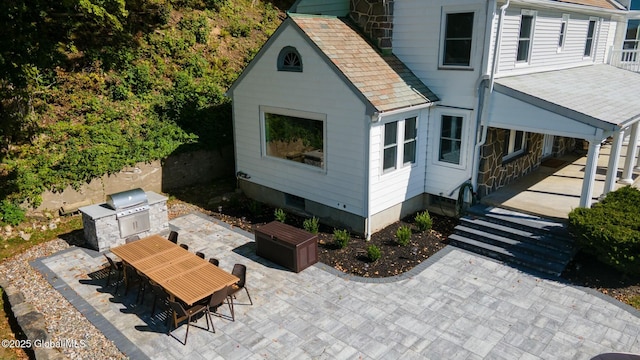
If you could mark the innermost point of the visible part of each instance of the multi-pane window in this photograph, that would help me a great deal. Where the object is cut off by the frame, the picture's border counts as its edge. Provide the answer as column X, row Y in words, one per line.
column 514, row 143
column 289, row 60
column 458, row 34
column 525, row 37
column 450, row 139
column 563, row 31
column 405, row 134
column 631, row 40
column 410, row 140
column 294, row 138
column 588, row 46
column 390, row 146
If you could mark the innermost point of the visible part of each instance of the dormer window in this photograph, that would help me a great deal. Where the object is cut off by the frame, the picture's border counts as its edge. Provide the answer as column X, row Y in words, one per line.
column 289, row 60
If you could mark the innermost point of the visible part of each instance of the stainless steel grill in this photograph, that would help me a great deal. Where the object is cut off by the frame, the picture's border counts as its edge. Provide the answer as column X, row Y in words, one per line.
column 132, row 211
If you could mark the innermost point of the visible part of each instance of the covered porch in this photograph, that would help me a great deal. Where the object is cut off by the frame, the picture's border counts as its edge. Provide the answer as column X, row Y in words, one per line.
column 584, row 103
column 554, row 189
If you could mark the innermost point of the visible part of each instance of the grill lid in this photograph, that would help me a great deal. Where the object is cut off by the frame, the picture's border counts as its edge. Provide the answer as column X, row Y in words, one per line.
column 127, row 199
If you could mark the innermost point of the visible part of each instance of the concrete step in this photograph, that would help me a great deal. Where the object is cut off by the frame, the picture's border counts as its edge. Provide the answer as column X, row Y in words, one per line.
column 520, row 220
column 507, row 255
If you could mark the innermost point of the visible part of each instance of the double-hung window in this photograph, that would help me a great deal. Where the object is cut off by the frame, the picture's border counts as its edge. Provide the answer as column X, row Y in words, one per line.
column 405, row 134
column 525, row 36
column 631, row 40
column 458, row 36
column 389, row 156
column 563, row 32
column 591, row 31
column 450, row 139
column 514, row 143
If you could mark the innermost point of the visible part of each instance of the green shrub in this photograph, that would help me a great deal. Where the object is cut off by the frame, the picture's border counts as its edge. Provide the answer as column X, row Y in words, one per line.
column 374, row 253
column 280, row 215
column 423, row 221
column 311, row 225
column 403, row 235
column 11, row 213
column 610, row 230
column 341, row 237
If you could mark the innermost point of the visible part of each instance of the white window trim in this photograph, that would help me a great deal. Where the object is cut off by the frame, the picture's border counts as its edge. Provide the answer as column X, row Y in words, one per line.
column 533, row 14
column 295, row 113
column 445, row 10
column 594, row 40
column 512, row 142
column 435, row 148
column 565, row 22
column 399, row 144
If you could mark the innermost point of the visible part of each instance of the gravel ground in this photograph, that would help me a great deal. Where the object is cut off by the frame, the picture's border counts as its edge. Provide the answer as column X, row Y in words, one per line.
column 63, row 321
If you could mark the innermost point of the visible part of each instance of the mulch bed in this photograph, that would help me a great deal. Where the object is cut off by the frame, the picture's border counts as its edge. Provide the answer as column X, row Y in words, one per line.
column 246, row 214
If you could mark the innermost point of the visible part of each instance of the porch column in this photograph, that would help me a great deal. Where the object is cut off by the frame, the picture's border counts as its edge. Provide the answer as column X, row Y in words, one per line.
column 614, row 159
column 627, row 173
column 590, row 174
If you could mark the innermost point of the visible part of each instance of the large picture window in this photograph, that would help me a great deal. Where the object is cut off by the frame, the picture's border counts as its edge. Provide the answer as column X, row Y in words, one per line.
column 450, row 139
column 458, row 34
column 294, row 138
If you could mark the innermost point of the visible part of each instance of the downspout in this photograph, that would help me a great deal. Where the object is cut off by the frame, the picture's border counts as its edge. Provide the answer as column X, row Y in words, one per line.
column 367, row 203
column 484, row 101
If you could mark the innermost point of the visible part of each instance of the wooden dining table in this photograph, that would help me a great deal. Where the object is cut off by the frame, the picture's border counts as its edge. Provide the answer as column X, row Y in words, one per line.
column 181, row 273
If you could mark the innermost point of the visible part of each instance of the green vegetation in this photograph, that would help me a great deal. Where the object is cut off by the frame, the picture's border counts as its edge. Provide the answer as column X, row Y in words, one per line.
column 89, row 87
column 403, row 235
column 373, row 253
column 11, row 213
column 341, row 237
column 423, row 221
column 280, row 215
column 610, row 230
column 311, row 225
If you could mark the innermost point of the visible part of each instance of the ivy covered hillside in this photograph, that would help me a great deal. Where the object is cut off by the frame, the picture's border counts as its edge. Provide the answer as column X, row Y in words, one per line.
column 88, row 87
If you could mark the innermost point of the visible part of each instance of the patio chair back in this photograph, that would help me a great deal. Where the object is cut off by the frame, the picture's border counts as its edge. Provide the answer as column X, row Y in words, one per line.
column 214, row 261
column 173, row 237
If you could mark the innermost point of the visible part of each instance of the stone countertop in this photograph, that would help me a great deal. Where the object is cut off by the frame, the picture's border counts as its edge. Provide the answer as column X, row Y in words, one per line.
column 98, row 211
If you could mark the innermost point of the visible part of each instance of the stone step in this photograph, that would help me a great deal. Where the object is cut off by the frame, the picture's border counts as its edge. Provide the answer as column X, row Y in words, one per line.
column 532, row 248
column 520, row 220
column 537, row 238
column 508, row 255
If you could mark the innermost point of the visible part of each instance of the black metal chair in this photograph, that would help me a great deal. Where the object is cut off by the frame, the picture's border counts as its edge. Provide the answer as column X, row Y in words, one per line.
column 160, row 295
column 214, row 261
column 114, row 266
column 216, row 300
column 131, row 239
column 130, row 278
column 173, row 237
column 180, row 314
column 144, row 283
column 200, row 254
column 184, row 246
column 240, row 271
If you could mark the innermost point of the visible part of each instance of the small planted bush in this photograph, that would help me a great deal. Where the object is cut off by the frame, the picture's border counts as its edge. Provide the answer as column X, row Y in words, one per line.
column 311, row 225
column 341, row 237
column 403, row 235
column 423, row 221
column 373, row 253
column 280, row 215
column 610, row 230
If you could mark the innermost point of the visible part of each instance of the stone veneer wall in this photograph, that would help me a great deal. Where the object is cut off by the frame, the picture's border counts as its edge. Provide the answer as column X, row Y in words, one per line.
column 495, row 174
column 375, row 17
column 564, row 145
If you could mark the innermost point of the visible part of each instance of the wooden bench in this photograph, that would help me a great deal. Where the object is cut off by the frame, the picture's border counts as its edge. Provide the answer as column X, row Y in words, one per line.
column 286, row 245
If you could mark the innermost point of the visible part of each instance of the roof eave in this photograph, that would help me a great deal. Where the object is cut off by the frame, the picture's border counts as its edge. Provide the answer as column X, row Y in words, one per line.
column 571, row 7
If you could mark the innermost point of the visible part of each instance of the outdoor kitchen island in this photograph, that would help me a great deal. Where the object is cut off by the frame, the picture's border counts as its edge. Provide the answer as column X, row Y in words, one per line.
column 129, row 213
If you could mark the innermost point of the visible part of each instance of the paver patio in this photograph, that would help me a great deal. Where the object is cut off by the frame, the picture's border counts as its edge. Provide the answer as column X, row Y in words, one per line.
column 456, row 305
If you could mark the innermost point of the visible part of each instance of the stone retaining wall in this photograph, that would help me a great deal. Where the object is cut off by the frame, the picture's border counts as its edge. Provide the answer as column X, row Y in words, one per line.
column 175, row 171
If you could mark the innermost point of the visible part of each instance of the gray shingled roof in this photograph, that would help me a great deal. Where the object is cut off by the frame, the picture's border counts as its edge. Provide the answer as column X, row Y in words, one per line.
column 600, row 95
column 383, row 79
column 604, row 4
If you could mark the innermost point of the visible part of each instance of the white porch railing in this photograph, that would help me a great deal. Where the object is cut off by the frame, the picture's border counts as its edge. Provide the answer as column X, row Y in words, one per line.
column 625, row 59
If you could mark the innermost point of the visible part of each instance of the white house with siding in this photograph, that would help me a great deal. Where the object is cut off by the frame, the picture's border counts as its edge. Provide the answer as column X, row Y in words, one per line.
column 363, row 111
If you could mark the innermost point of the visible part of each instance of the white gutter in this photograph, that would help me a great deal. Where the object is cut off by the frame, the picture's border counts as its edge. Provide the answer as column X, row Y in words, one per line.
column 484, row 101
column 376, row 116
